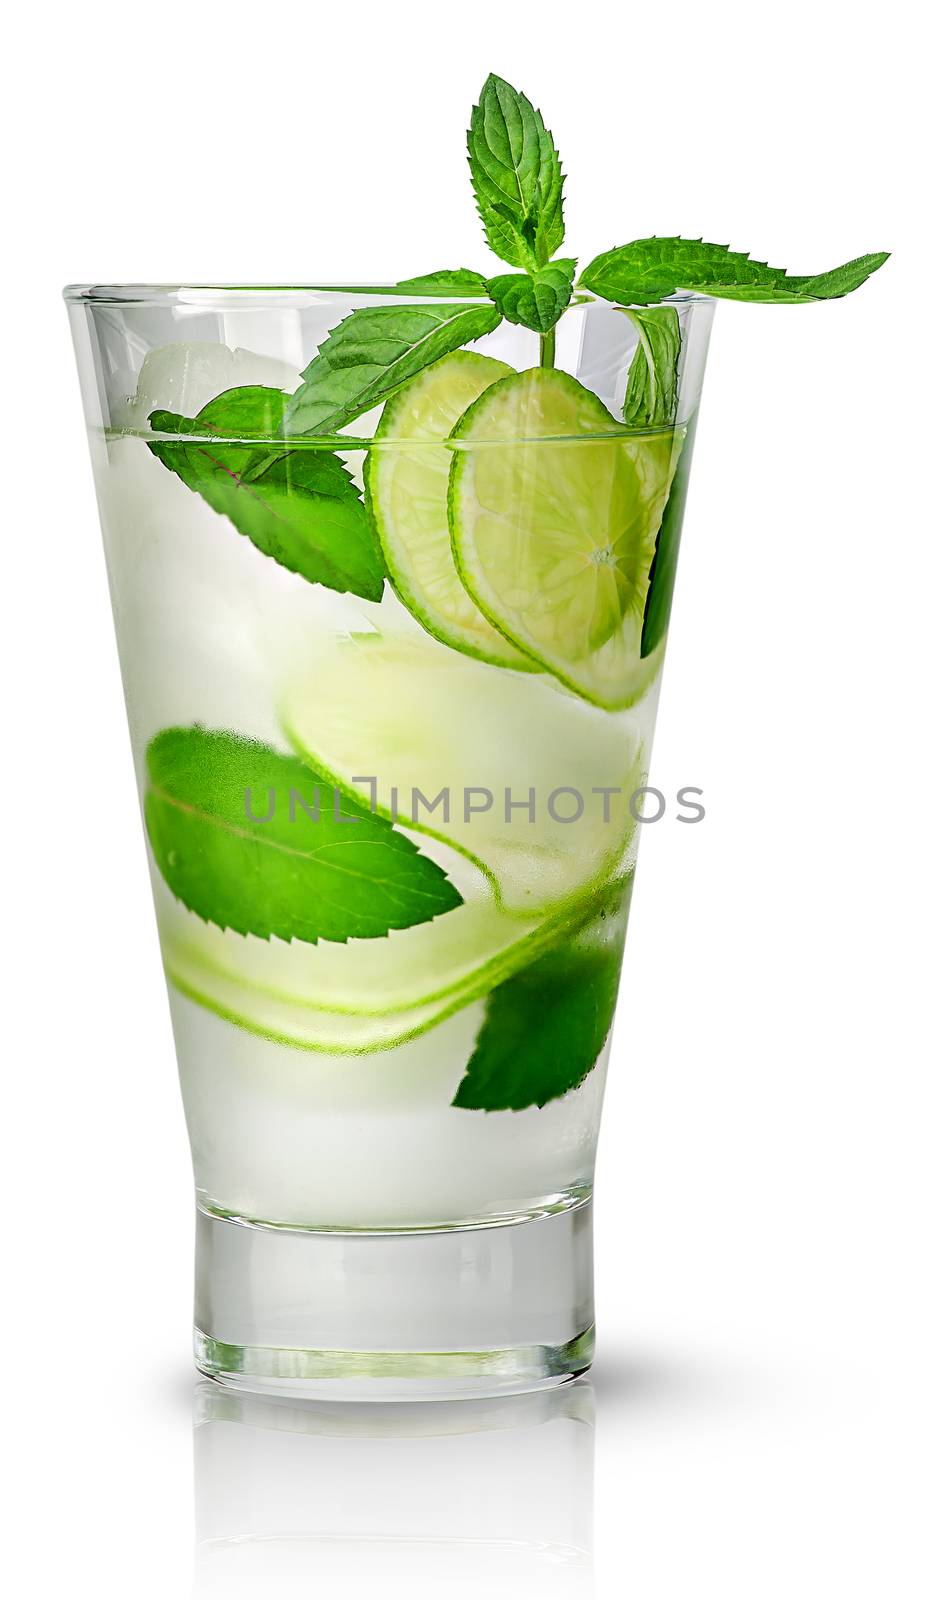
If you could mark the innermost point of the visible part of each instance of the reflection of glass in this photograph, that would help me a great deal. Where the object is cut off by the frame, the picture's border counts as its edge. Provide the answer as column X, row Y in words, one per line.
column 424, row 1500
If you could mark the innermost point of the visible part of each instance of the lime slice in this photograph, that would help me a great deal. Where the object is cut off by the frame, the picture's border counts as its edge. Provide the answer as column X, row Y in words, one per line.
column 406, row 481
column 507, row 768
column 367, row 994
column 554, row 511
column 284, row 1020
column 240, row 1082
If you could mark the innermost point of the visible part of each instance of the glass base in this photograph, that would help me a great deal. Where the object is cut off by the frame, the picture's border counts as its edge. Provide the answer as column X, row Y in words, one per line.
column 424, row 1315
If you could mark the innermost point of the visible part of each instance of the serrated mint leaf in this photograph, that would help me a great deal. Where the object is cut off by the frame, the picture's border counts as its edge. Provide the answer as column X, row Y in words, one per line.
column 298, row 506
column 649, row 270
column 373, row 353
column 657, row 610
column 231, row 824
column 446, row 283
column 535, row 300
column 516, row 176
column 543, row 1030
column 651, row 392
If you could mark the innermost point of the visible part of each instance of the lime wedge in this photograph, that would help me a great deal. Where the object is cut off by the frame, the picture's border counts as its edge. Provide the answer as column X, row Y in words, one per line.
column 554, row 510
column 406, row 481
column 506, row 768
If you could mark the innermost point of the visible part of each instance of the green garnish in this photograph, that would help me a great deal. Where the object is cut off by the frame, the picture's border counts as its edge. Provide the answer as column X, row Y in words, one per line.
column 651, row 392
column 516, row 177
column 544, row 1028
column 251, row 840
column 589, row 511
column 649, row 270
column 518, row 185
column 302, row 508
column 447, row 283
column 299, row 507
column 373, row 353
column 663, row 571
column 533, row 534
column 534, row 300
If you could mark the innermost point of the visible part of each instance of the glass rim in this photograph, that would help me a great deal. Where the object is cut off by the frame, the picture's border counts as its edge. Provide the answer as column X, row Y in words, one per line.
column 239, row 296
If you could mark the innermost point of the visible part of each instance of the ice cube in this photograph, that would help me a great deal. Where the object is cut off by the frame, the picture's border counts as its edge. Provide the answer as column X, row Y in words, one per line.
column 184, row 377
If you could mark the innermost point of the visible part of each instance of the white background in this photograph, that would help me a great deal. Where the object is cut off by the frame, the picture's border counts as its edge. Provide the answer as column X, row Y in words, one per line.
column 768, row 1389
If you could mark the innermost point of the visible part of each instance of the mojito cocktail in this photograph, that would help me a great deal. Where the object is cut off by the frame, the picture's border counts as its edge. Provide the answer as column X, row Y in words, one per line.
column 392, row 571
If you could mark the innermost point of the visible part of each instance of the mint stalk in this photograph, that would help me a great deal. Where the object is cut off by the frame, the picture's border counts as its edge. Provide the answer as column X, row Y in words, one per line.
column 650, row 270
column 230, row 824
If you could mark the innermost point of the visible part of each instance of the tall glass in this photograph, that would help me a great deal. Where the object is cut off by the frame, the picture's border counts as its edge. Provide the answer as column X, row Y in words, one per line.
column 391, row 686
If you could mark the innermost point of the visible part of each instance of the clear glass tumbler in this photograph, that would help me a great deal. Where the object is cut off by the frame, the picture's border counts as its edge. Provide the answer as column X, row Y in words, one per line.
column 391, row 681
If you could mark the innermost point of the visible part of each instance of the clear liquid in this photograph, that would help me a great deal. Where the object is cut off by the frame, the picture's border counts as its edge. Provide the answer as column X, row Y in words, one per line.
column 318, row 1080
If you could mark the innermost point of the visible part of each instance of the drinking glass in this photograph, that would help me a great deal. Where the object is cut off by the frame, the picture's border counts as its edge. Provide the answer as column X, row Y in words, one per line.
column 391, row 681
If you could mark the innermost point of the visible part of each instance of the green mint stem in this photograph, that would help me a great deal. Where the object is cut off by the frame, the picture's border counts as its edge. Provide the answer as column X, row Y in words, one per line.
column 548, row 348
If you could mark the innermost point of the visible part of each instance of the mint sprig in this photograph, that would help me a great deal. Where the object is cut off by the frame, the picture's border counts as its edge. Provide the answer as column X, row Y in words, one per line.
column 516, row 175
column 299, row 507
column 649, row 270
column 534, row 300
column 346, row 875
column 518, row 185
column 372, row 353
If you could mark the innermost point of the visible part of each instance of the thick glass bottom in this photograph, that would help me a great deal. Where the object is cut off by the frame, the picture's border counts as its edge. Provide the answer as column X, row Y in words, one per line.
column 420, row 1315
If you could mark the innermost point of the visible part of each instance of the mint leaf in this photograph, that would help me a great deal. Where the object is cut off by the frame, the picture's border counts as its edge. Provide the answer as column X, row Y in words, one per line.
column 663, row 573
column 543, row 1030
column 651, row 392
column 649, row 270
column 535, row 300
column 347, row 875
column 300, row 507
column 446, row 283
column 373, row 353
column 516, row 176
